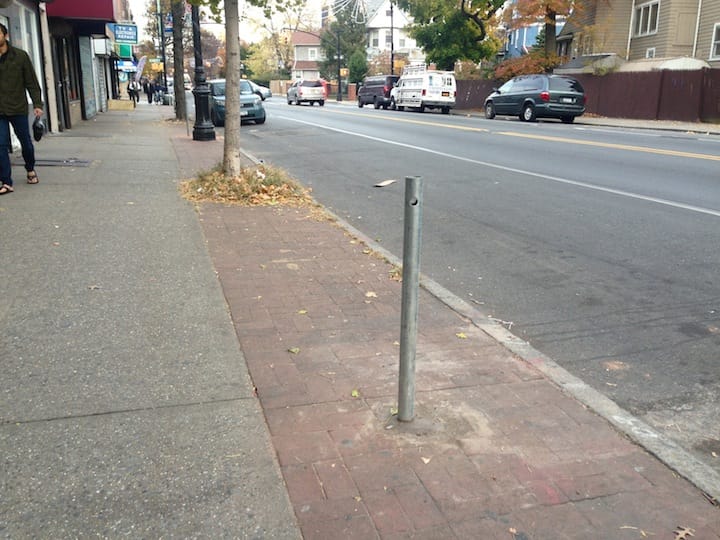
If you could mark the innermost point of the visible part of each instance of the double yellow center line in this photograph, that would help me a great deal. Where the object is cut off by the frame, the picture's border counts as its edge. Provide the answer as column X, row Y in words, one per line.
column 631, row 148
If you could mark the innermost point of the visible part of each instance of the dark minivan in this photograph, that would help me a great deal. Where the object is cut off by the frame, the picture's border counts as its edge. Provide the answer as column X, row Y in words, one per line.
column 538, row 96
column 376, row 90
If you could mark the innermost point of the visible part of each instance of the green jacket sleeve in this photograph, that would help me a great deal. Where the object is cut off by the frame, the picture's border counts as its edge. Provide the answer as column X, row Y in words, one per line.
column 31, row 83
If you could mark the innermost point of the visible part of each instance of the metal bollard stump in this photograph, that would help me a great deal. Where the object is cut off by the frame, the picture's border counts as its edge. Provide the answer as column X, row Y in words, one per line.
column 410, row 285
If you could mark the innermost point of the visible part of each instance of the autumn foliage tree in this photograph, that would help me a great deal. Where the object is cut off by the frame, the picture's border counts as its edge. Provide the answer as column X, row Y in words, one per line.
column 524, row 12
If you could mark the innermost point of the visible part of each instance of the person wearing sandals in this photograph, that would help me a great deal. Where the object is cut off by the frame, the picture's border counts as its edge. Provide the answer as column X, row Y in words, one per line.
column 17, row 77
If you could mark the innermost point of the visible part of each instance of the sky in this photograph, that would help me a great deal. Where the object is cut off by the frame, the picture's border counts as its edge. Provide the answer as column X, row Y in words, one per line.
column 138, row 8
column 248, row 32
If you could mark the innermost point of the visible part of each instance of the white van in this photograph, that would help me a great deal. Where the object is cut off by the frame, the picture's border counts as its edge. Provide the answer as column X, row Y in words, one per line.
column 423, row 88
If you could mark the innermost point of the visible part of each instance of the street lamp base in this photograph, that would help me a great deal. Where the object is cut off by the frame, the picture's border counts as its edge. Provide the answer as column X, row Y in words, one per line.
column 204, row 133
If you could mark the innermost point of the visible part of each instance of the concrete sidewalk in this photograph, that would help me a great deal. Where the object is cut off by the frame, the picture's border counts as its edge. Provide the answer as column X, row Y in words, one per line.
column 127, row 409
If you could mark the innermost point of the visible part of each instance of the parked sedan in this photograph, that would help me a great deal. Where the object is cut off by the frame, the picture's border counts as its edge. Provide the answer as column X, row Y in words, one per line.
column 306, row 90
column 251, row 107
column 262, row 91
column 538, row 96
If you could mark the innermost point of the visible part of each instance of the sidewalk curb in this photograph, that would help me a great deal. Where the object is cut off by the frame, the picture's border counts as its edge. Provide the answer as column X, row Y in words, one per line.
column 667, row 451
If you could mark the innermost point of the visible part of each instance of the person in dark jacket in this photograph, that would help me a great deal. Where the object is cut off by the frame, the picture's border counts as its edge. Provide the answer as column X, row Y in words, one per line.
column 17, row 77
column 149, row 90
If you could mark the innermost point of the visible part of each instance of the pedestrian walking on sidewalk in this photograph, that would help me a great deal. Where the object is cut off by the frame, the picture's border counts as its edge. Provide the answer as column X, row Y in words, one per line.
column 149, row 89
column 17, row 77
column 134, row 91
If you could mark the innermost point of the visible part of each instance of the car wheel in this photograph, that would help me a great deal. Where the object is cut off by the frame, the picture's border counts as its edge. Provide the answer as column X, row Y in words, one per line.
column 446, row 110
column 260, row 120
column 360, row 103
column 376, row 103
column 321, row 102
column 489, row 110
column 528, row 113
column 568, row 119
column 422, row 107
column 401, row 108
column 393, row 105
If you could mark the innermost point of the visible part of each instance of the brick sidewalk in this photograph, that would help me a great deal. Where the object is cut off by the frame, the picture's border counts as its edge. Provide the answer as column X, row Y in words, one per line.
column 496, row 450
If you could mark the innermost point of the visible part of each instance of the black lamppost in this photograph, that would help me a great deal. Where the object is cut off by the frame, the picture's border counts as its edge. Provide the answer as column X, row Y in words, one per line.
column 203, row 130
column 339, row 90
column 161, row 39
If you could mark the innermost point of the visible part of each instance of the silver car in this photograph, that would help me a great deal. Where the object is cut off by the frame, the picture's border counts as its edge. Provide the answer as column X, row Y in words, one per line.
column 306, row 90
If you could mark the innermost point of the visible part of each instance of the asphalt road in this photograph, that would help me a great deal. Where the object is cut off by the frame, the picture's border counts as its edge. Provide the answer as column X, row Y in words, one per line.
column 599, row 246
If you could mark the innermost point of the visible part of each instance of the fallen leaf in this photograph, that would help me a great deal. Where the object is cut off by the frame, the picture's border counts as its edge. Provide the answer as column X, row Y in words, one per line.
column 370, row 294
column 355, row 393
column 461, row 335
column 367, row 251
column 393, row 411
column 425, row 460
column 615, row 365
column 294, row 350
column 302, row 312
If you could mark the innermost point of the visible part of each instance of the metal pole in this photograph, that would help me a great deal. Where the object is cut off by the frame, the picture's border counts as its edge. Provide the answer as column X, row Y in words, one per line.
column 410, row 284
column 339, row 90
column 161, row 38
column 203, row 130
column 392, row 42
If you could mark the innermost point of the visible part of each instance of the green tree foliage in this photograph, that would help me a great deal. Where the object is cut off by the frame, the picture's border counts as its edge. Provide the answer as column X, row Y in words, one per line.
column 352, row 36
column 358, row 66
column 451, row 30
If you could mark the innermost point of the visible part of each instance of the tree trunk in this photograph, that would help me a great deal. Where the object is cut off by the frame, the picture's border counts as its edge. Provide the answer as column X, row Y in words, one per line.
column 550, row 41
column 231, row 150
column 178, row 13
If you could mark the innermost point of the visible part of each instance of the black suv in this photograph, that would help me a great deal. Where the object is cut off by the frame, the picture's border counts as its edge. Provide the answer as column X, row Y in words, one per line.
column 538, row 96
column 376, row 90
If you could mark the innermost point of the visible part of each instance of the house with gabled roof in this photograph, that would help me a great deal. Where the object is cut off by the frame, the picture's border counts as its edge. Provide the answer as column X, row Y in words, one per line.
column 636, row 35
column 386, row 32
column 307, row 53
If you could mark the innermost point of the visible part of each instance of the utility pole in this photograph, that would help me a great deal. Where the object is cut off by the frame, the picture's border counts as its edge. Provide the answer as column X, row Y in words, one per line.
column 392, row 42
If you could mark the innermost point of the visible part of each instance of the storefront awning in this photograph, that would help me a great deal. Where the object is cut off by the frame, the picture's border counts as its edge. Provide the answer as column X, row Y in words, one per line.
column 126, row 66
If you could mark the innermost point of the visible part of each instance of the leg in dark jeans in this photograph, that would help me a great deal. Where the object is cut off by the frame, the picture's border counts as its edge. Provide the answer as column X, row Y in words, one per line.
column 22, row 129
column 5, row 168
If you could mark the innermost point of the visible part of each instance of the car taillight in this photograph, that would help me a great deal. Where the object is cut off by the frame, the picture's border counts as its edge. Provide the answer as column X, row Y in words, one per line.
column 386, row 89
column 545, row 96
column 423, row 91
column 584, row 99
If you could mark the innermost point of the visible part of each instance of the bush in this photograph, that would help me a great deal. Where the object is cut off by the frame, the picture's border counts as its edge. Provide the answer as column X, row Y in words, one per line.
column 534, row 62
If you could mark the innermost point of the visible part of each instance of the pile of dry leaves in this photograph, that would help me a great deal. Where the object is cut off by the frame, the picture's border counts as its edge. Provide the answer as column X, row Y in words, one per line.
column 260, row 185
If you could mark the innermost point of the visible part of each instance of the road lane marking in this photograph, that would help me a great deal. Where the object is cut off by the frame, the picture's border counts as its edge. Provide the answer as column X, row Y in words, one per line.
column 567, row 181
column 675, row 153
